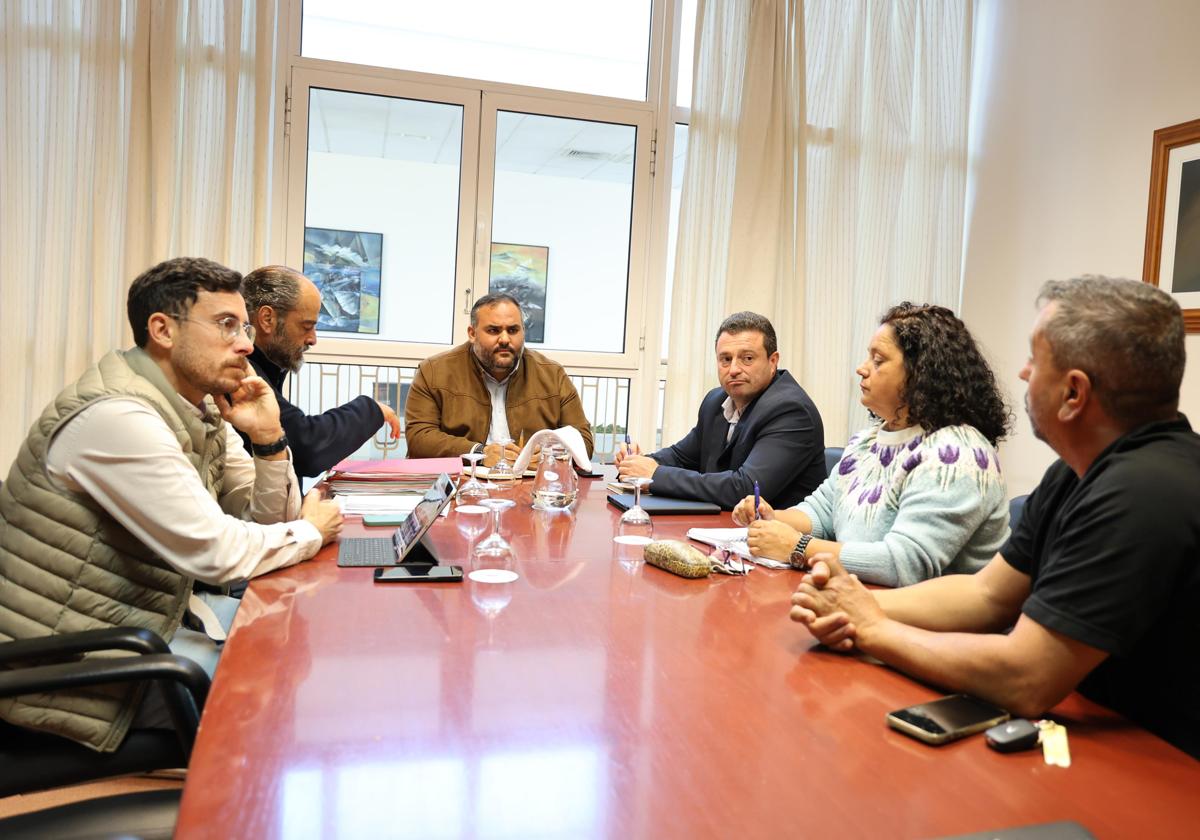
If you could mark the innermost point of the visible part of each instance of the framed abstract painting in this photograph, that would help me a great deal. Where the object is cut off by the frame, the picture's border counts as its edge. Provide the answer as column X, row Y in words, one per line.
column 1172, row 260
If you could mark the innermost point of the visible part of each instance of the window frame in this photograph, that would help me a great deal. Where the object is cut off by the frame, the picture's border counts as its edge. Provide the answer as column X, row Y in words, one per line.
column 655, row 117
column 493, row 104
column 305, row 80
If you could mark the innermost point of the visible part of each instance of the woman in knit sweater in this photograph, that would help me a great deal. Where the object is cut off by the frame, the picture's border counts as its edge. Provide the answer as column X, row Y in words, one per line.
column 919, row 492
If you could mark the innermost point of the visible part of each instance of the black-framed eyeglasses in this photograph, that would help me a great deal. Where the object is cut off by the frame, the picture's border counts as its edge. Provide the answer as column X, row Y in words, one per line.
column 731, row 562
column 229, row 326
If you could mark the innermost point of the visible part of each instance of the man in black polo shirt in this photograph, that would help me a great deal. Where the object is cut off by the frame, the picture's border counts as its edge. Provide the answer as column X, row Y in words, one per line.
column 1100, row 581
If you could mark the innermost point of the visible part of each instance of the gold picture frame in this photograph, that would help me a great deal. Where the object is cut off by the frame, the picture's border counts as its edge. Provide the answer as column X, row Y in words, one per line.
column 1173, row 218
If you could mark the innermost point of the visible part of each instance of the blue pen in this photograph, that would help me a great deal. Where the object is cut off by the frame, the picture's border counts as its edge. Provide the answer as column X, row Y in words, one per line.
column 757, row 498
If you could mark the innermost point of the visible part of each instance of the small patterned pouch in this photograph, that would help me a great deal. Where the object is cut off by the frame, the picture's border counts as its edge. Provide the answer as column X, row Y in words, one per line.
column 685, row 560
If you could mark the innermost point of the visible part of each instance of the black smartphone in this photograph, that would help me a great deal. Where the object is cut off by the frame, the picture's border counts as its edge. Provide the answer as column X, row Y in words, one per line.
column 946, row 719
column 418, row 573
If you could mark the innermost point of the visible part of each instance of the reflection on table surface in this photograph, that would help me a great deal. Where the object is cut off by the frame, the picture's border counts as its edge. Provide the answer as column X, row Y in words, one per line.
column 598, row 697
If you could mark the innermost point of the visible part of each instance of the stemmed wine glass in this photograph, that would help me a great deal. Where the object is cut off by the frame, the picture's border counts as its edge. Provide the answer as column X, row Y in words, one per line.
column 635, row 526
column 494, row 554
column 473, row 489
column 503, row 470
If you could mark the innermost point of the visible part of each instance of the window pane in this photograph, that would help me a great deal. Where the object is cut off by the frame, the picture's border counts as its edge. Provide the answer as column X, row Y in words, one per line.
column 687, row 49
column 561, row 216
column 581, row 47
column 605, row 401
column 678, row 159
column 381, row 214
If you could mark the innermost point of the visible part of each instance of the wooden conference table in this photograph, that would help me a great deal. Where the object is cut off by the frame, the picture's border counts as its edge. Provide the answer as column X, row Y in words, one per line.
column 595, row 697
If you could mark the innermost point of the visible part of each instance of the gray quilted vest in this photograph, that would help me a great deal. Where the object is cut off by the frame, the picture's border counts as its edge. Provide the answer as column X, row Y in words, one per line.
column 66, row 565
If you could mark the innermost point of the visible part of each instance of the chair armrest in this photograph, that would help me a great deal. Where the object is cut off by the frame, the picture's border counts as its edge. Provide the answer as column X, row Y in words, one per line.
column 185, row 684
column 133, row 639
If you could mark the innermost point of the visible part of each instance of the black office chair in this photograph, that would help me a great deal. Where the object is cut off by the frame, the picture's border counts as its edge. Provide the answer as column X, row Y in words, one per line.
column 1016, row 507
column 31, row 761
column 833, row 454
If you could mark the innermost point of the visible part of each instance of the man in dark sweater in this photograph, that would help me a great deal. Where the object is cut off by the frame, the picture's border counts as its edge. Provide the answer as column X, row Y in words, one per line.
column 759, row 427
column 1100, row 580
column 283, row 305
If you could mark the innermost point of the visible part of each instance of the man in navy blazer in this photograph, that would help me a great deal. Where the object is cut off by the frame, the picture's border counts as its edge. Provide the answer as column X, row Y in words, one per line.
column 759, row 426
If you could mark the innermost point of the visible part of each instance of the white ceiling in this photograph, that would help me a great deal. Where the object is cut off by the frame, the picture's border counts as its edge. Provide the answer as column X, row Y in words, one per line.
column 367, row 125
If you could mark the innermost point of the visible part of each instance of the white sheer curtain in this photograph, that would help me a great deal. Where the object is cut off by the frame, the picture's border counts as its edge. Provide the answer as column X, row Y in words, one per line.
column 888, row 101
column 132, row 132
column 818, row 229
column 741, row 218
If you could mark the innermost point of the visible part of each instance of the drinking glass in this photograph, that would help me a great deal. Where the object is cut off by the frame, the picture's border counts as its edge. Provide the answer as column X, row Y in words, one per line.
column 503, row 470
column 474, row 489
column 566, row 468
column 494, row 552
column 635, row 533
column 492, row 573
column 554, row 487
column 635, row 523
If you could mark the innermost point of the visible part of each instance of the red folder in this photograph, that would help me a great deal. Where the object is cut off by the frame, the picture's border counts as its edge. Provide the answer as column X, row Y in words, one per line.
column 402, row 466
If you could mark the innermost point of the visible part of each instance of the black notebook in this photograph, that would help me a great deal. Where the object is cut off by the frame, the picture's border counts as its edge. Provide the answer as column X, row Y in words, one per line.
column 663, row 504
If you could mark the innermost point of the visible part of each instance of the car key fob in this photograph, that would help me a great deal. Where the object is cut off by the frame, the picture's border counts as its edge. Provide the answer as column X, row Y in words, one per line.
column 1012, row 736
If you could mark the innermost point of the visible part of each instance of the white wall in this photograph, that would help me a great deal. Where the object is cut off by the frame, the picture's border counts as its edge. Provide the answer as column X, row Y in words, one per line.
column 1068, row 94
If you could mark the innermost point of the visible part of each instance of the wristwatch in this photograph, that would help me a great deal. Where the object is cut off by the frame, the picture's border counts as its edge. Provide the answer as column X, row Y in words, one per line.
column 263, row 450
column 797, row 559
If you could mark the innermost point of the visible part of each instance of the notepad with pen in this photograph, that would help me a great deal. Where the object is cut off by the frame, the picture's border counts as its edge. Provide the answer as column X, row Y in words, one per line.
column 733, row 539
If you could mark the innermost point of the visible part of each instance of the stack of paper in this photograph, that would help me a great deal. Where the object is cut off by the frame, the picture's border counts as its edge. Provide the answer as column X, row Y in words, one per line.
column 379, row 483
column 359, row 503
column 486, row 474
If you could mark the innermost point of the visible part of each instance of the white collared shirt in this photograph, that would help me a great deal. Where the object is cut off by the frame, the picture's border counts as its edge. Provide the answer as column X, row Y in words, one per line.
column 733, row 414
column 121, row 453
column 498, row 391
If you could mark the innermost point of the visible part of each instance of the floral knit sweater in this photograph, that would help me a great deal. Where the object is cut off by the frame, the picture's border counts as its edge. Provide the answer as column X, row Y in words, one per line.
column 907, row 505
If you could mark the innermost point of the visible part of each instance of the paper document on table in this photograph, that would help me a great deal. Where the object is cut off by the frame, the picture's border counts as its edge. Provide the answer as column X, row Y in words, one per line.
column 735, row 540
column 568, row 436
column 361, row 503
column 485, row 473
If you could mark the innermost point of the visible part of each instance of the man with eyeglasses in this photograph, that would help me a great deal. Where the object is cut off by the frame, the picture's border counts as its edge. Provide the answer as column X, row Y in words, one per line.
column 283, row 306
column 133, row 486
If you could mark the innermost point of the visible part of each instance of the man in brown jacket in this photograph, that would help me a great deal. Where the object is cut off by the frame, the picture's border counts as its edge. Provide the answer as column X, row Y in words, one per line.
column 489, row 390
